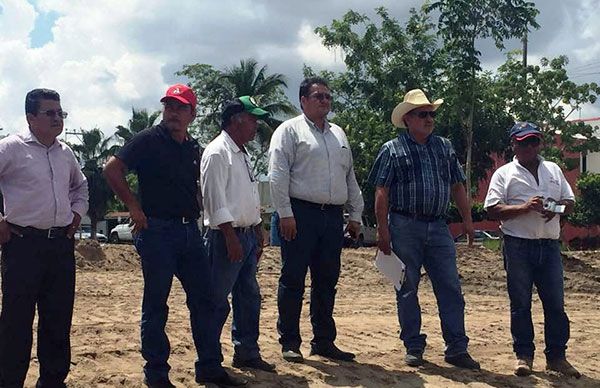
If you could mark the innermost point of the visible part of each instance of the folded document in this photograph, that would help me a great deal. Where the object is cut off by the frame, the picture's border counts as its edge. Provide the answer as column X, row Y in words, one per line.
column 391, row 267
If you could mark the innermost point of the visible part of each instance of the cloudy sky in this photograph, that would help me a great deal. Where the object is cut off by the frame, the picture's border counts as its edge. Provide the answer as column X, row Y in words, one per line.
column 106, row 56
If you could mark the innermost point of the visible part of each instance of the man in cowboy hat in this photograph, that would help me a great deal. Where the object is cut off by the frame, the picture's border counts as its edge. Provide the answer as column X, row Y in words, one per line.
column 526, row 195
column 415, row 174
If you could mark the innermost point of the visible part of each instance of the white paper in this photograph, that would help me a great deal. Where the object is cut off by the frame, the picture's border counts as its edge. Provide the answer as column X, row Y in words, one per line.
column 391, row 267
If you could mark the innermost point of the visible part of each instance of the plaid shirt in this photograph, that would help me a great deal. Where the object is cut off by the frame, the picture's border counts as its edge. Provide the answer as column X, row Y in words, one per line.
column 419, row 175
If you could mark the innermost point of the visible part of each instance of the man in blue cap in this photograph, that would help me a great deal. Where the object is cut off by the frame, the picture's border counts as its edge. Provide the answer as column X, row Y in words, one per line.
column 528, row 196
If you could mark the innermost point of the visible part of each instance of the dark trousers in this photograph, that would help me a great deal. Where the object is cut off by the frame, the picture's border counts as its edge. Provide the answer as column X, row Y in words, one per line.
column 318, row 245
column 36, row 271
column 528, row 262
column 169, row 248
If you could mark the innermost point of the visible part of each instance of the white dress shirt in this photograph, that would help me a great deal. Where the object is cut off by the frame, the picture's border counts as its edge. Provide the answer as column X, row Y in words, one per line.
column 42, row 186
column 513, row 184
column 313, row 165
column 229, row 190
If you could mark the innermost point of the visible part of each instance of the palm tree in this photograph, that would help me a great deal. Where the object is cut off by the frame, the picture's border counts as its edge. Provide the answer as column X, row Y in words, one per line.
column 140, row 119
column 93, row 152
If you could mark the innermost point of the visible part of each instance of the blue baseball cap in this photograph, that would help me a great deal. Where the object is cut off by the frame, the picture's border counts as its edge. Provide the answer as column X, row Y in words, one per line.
column 523, row 129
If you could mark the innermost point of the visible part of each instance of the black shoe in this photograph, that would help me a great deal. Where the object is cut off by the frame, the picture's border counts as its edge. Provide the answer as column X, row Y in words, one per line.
column 463, row 360
column 224, row 380
column 162, row 383
column 255, row 363
column 331, row 351
column 414, row 358
column 292, row 355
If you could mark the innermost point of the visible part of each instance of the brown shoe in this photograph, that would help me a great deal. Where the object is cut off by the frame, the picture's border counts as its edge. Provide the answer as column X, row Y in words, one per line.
column 563, row 366
column 524, row 366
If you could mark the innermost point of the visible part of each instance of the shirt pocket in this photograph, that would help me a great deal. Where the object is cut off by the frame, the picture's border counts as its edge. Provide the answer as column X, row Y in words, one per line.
column 403, row 168
column 443, row 166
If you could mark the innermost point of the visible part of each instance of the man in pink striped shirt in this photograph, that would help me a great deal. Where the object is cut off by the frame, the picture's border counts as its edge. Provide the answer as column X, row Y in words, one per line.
column 45, row 196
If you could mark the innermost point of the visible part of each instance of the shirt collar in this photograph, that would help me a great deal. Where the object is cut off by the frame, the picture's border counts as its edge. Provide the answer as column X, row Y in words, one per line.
column 230, row 143
column 411, row 137
column 29, row 137
column 312, row 124
column 516, row 161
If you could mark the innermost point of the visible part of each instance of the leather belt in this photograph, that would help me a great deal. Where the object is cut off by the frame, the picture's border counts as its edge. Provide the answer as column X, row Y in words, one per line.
column 244, row 229
column 418, row 217
column 52, row 233
column 322, row 206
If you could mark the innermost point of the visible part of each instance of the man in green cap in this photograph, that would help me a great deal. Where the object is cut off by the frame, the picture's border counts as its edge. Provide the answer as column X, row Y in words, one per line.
column 234, row 238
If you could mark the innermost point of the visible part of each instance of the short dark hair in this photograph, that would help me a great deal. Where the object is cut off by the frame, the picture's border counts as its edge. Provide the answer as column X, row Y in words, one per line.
column 33, row 98
column 307, row 83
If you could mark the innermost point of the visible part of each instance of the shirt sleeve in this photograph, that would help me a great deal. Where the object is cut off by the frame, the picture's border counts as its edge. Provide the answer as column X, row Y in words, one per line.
column 213, row 176
column 133, row 151
column 382, row 171
column 355, row 203
column 281, row 158
column 78, row 188
column 496, row 192
column 566, row 192
column 457, row 173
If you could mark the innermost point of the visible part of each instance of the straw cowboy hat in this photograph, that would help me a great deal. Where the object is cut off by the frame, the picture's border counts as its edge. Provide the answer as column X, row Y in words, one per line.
column 413, row 99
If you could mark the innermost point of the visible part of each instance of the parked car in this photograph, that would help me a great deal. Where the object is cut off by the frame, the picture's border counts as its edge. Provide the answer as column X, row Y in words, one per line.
column 480, row 236
column 85, row 233
column 121, row 233
column 367, row 236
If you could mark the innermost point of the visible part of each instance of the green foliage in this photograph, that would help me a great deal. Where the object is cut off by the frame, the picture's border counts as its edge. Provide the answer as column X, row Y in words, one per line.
column 587, row 206
column 140, row 119
column 214, row 87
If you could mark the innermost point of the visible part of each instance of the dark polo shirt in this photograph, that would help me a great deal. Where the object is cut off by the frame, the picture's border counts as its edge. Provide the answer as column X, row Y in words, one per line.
column 168, row 172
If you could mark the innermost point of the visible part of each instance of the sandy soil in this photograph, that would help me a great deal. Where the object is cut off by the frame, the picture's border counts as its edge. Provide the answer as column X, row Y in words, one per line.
column 105, row 335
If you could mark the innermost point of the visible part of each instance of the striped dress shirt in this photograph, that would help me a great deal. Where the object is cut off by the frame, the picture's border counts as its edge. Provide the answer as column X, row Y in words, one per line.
column 419, row 176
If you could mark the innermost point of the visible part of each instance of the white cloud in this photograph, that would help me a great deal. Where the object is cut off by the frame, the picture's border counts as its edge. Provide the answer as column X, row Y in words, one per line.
column 312, row 51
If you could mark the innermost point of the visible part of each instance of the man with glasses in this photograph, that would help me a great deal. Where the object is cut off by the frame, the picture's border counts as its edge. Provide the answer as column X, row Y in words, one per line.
column 528, row 196
column 166, row 234
column 415, row 175
column 312, row 180
column 235, row 235
column 45, row 196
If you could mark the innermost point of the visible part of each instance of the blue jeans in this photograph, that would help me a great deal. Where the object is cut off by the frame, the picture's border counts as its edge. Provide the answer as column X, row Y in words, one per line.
column 169, row 248
column 528, row 262
column 318, row 245
column 239, row 280
column 430, row 245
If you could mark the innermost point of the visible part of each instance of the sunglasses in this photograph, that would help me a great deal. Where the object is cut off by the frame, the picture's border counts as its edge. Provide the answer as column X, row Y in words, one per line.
column 532, row 141
column 53, row 113
column 321, row 96
column 424, row 114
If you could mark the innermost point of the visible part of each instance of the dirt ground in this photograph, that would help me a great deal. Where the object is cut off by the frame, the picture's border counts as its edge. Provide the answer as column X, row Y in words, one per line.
column 105, row 334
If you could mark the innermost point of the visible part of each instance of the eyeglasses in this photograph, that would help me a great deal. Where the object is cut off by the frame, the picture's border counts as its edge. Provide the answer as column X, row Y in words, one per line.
column 532, row 141
column 53, row 113
column 321, row 96
column 424, row 114
column 178, row 107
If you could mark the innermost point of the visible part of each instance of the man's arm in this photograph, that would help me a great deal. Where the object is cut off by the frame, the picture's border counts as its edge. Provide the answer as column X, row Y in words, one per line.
column 501, row 211
column 355, row 204
column 381, row 214
column 114, row 172
column 79, row 196
column 459, row 195
column 280, row 151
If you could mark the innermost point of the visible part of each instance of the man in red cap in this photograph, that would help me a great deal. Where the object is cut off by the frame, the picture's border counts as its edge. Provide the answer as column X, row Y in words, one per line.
column 166, row 235
column 528, row 196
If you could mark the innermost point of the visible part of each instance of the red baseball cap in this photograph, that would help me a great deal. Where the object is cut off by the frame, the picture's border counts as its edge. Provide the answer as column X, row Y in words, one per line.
column 182, row 93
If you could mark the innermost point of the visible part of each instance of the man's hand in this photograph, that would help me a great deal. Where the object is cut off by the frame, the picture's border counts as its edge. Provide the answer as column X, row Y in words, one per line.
column 4, row 232
column 260, row 241
column 138, row 220
column 74, row 225
column 287, row 227
column 469, row 231
column 234, row 247
column 384, row 241
column 534, row 204
column 353, row 228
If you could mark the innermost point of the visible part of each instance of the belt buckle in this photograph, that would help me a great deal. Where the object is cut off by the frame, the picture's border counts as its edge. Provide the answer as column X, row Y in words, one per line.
column 52, row 234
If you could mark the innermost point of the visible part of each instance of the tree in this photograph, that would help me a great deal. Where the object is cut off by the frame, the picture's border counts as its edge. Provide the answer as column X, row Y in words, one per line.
column 544, row 94
column 140, row 119
column 93, row 152
column 461, row 24
column 214, row 87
